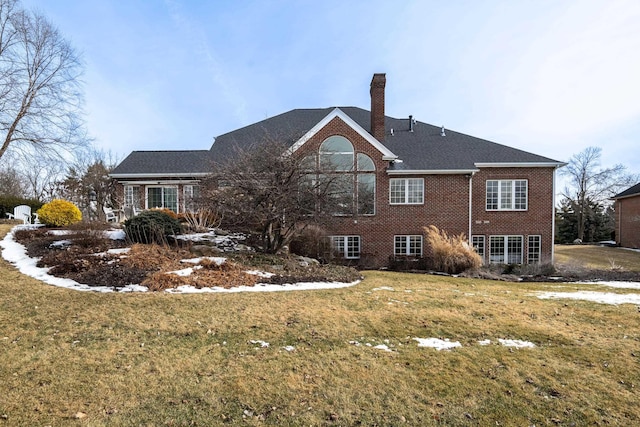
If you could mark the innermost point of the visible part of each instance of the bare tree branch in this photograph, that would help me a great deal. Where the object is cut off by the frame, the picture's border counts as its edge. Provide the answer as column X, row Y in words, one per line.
column 588, row 182
column 40, row 87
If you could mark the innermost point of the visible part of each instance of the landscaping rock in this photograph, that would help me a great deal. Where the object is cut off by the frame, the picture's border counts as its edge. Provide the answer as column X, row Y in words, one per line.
column 205, row 250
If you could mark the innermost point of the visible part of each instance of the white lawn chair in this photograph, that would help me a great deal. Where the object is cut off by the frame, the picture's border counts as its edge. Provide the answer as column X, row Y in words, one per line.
column 110, row 214
column 21, row 212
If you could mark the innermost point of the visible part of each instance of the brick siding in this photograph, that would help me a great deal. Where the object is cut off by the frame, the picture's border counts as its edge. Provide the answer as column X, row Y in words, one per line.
column 446, row 204
column 628, row 222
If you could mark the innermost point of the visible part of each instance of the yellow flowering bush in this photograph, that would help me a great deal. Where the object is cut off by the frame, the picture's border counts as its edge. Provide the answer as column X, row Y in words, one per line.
column 59, row 213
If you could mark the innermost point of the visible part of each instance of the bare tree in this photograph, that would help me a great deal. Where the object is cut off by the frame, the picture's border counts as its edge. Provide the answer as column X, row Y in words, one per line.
column 11, row 183
column 88, row 185
column 275, row 194
column 40, row 97
column 588, row 182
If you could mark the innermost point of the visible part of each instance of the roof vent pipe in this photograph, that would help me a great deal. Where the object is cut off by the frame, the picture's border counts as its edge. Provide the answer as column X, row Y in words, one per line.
column 442, row 132
column 410, row 123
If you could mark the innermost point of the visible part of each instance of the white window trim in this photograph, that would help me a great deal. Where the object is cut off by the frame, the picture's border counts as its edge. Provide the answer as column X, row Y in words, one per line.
column 539, row 251
column 345, row 242
column 505, row 238
column 407, row 238
column 484, row 245
column 146, row 196
column 513, row 195
column 406, row 191
column 375, row 189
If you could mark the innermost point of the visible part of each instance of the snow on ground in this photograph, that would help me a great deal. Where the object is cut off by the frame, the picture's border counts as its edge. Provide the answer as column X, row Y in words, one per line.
column 593, row 296
column 598, row 296
column 16, row 254
column 516, row 343
column 215, row 259
column 437, row 343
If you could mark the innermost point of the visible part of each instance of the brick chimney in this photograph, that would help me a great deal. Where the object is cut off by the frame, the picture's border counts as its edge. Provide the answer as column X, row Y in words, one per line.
column 377, row 105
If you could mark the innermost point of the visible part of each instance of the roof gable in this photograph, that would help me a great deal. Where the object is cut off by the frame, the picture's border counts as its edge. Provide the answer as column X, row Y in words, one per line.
column 337, row 112
column 629, row 192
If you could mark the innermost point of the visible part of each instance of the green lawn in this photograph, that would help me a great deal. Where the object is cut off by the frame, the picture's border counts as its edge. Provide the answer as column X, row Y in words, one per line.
column 83, row 358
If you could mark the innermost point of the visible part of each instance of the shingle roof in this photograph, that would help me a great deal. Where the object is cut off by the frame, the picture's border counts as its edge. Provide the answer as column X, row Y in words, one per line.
column 164, row 163
column 422, row 149
column 633, row 191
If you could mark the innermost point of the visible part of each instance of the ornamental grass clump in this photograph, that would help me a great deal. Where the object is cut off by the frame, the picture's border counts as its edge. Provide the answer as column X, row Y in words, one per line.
column 153, row 226
column 59, row 213
column 450, row 254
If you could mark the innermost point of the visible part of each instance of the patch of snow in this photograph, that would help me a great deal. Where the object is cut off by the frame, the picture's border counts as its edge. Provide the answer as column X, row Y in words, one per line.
column 115, row 234
column 118, row 251
column 383, row 288
column 383, row 347
column 484, row 342
column 262, row 287
column 59, row 232
column 289, row 348
column 516, row 343
column 437, row 343
column 263, row 344
column 620, row 285
column 60, row 243
column 214, row 259
column 263, row 274
column 599, row 297
column 185, row 272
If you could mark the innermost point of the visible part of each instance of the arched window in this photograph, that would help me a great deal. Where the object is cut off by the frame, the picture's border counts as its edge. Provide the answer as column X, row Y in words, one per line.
column 336, row 154
column 350, row 176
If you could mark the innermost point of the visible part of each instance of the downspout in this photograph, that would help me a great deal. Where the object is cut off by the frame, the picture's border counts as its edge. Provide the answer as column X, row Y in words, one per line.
column 470, row 207
column 553, row 218
column 618, row 229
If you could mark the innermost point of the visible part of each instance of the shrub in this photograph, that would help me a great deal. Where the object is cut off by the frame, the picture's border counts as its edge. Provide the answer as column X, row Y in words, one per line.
column 152, row 226
column 450, row 254
column 59, row 213
column 200, row 220
column 169, row 212
column 311, row 242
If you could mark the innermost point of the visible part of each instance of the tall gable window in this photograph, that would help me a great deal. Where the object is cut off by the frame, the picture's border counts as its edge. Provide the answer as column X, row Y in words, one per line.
column 351, row 176
column 406, row 191
column 507, row 195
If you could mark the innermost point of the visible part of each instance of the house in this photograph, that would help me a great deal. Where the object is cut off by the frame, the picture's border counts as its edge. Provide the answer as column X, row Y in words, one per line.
column 404, row 175
column 627, row 209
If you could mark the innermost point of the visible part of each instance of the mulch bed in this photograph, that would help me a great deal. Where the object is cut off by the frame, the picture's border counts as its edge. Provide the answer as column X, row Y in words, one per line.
column 81, row 255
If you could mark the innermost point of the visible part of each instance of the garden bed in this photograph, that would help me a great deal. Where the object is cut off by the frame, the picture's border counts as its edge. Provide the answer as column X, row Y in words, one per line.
column 99, row 256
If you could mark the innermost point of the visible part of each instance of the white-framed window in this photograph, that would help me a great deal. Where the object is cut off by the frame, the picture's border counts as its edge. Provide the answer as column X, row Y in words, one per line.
column 478, row 243
column 346, row 246
column 350, row 177
column 132, row 196
column 406, row 191
column 408, row 245
column 162, row 197
column 505, row 249
column 534, row 249
column 190, row 194
column 507, row 195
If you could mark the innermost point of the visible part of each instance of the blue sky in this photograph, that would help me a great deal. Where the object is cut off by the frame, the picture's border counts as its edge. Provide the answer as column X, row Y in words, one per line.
column 550, row 77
